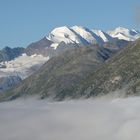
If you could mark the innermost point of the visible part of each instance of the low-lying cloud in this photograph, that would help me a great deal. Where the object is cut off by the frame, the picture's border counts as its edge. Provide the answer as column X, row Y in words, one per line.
column 99, row 119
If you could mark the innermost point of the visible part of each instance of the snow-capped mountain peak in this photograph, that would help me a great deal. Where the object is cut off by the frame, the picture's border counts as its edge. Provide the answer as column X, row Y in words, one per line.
column 121, row 29
column 104, row 36
column 66, row 35
column 125, row 34
column 84, row 36
column 87, row 34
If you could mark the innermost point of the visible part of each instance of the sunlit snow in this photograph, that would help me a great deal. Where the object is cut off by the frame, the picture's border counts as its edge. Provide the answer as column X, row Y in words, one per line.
column 23, row 66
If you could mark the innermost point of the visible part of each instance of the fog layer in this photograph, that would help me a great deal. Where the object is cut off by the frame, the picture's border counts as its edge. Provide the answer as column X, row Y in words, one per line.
column 100, row 119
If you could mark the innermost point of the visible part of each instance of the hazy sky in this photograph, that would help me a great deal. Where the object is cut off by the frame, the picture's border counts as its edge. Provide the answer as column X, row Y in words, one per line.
column 25, row 21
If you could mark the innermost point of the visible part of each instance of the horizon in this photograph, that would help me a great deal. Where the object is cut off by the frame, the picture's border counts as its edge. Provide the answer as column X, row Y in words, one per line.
column 25, row 22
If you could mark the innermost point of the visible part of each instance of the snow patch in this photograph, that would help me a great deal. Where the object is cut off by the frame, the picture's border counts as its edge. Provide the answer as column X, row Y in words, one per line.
column 54, row 45
column 23, row 66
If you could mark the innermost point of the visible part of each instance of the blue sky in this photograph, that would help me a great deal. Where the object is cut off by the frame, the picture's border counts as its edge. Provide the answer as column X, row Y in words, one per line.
column 26, row 21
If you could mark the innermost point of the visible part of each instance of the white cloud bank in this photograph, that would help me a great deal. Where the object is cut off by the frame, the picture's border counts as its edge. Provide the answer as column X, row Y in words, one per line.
column 100, row 119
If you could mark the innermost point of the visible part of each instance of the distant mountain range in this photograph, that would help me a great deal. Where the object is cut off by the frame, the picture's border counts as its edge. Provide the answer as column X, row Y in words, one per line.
column 74, row 53
column 65, row 37
column 82, row 73
column 85, row 36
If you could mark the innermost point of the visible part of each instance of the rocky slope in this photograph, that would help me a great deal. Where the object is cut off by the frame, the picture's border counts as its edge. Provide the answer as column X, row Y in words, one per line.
column 61, row 74
column 120, row 72
column 83, row 75
column 8, row 81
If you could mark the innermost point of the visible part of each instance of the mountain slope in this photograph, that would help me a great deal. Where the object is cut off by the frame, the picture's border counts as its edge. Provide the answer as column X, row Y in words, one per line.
column 83, row 76
column 7, row 53
column 120, row 72
column 8, row 81
column 88, row 35
column 39, row 47
column 104, row 36
column 61, row 74
column 12, row 72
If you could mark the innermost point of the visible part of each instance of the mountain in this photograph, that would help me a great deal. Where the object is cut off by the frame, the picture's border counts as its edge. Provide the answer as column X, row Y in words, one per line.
column 59, row 40
column 62, row 73
column 79, row 35
column 8, row 81
column 84, row 72
column 66, row 37
column 125, row 34
column 13, row 71
column 88, row 35
column 122, row 71
column 7, row 53
column 83, row 36
column 23, row 66
column 62, row 38
column 104, row 36
column 38, row 47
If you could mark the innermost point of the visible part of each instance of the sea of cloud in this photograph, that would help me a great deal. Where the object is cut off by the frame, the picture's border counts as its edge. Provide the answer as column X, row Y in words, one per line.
column 91, row 119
